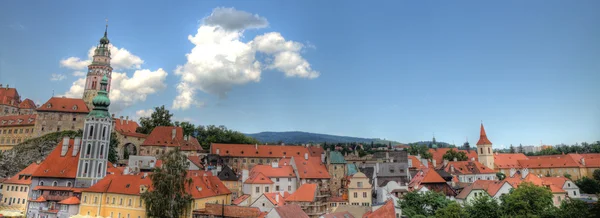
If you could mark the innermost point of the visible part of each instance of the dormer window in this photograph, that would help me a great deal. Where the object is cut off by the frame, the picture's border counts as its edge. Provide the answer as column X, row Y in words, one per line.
column 48, row 105
column 74, row 107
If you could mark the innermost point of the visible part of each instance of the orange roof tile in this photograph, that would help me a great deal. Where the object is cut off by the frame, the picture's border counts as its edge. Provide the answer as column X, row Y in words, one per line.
column 9, row 96
column 229, row 211
column 240, row 199
column 59, row 166
column 18, row 120
column 125, row 125
column 272, row 197
column 483, row 140
column 290, row 211
column 70, row 201
column 62, row 104
column 559, row 181
column 415, row 162
column 163, row 136
column 386, row 211
column 590, row 159
column 517, row 180
column 507, row 161
column 490, row 186
column 306, row 193
column 248, row 150
column 438, row 154
column 204, row 186
column 24, row 176
column 550, row 161
column 425, row 175
column 27, row 104
column 39, row 199
column 120, row 184
column 258, row 178
column 467, row 168
column 315, row 151
column 272, row 172
column 312, row 168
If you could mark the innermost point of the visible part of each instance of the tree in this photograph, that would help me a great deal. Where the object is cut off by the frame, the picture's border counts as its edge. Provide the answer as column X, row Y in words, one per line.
column 169, row 197
column 567, row 175
column 500, row 176
column 596, row 174
column 483, row 206
column 113, row 157
column 453, row 210
column 415, row 149
column 213, row 134
column 415, row 203
column 160, row 117
column 520, row 148
column 188, row 128
column 459, row 155
column 361, row 153
column 571, row 208
column 512, row 149
column 588, row 186
column 526, row 200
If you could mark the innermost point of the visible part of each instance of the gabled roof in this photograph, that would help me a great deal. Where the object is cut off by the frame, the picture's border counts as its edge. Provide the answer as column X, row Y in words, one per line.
column 424, row 176
column 9, row 96
column 163, row 136
column 386, row 211
column 121, row 184
column 70, row 201
column 483, row 140
column 416, row 163
column 17, row 120
column 305, row 193
column 549, row 161
column 127, row 127
column 285, row 171
column 67, row 105
column 315, row 151
column 227, row 174
column 507, row 161
column 196, row 161
column 27, row 104
column 344, row 214
column 517, row 180
column 57, row 166
column 24, row 176
column 258, row 178
column 204, row 186
column 248, row 150
column 467, row 168
column 490, row 186
column 272, row 197
column 559, row 181
column 291, row 211
column 240, row 199
column 39, row 199
column 312, row 168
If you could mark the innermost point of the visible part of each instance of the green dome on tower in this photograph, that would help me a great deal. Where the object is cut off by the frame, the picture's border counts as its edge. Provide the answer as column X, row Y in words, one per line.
column 101, row 101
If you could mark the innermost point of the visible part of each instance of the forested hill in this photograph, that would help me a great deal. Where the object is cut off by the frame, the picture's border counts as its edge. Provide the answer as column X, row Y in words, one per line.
column 297, row 137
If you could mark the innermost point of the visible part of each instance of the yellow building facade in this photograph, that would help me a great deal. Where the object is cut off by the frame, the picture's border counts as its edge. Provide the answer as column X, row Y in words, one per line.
column 15, row 129
column 359, row 190
column 16, row 189
column 112, row 205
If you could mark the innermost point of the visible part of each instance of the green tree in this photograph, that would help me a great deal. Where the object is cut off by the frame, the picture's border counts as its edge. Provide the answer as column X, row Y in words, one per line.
column 588, row 186
column 459, row 155
column 512, row 149
column 361, row 153
column 415, row 203
column 213, row 134
column 160, row 117
column 520, row 148
column 453, row 210
column 596, row 174
column 188, row 128
column 169, row 197
column 567, row 175
column 483, row 206
column 500, row 176
column 573, row 208
column 526, row 200
column 112, row 149
column 415, row 149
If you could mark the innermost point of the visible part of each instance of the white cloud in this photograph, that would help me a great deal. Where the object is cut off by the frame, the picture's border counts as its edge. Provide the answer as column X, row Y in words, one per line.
column 220, row 60
column 125, row 90
column 57, row 77
column 144, row 113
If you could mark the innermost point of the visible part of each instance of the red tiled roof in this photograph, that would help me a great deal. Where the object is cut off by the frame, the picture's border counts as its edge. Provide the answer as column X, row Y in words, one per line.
column 240, row 199
column 272, row 197
column 53, row 188
column 196, row 161
column 291, row 211
column 386, row 211
column 306, row 193
column 204, row 186
column 229, row 211
column 591, row 159
column 517, row 180
column 415, row 162
column 247, row 150
column 24, row 176
column 27, row 104
column 258, row 178
column 490, row 186
column 550, row 161
column 467, row 167
column 559, row 181
column 271, row 172
column 7, row 95
column 507, row 161
column 425, row 176
column 315, row 151
column 70, row 201
column 18, row 120
column 62, row 104
column 483, row 140
column 121, row 184
column 39, row 199
column 163, row 136
column 127, row 128
column 343, row 214
column 312, row 168
column 438, row 154
column 59, row 166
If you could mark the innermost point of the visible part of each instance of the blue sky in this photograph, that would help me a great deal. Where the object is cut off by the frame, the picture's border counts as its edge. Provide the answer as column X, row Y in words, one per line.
column 394, row 70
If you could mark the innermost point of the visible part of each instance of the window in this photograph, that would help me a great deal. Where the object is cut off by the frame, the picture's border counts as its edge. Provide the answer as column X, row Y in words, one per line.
column 140, row 203
column 276, row 179
column 113, row 201
column 289, row 179
column 91, row 131
column 95, row 200
column 55, row 183
column 574, row 193
column 277, row 188
column 104, row 132
column 364, row 194
column 356, row 194
column 559, row 198
column 129, row 202
column 84, row 199
column 359, row 184
column 289, row 188
column 88, row 150
column 21, row 189
column 41, row 183
column 69, row 184
column 121, row 201
column 85, row 169
column 568, row 184
column 99, row 169
column 101, row 150
column 251, row 160
column 489, row 150
column 481, row 151
column 267, row 189
column 257, row 189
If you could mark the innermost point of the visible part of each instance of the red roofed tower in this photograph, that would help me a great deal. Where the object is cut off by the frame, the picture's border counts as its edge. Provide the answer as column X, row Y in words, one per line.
column 485, row 152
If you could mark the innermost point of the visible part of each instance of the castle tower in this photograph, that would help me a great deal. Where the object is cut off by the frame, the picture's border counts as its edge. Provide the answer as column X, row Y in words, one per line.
column 93, row 155
column 99, row 68
column 485, row 153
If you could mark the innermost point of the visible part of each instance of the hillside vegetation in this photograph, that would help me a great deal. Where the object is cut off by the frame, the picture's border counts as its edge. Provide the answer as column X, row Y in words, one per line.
column 296, row 137
column 27, row 152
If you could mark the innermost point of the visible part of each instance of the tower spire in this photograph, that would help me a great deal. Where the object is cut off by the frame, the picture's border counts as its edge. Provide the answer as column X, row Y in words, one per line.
column 106, row 29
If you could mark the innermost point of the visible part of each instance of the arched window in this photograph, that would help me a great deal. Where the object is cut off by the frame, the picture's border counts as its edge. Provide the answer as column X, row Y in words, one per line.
column 88, row 150
column 99, row 169
column 69, row 184
column 41, row 183
column 101, row 150
column 104, row 132
column 113, row 202
column 84, row 199
column 91, row 131
column 129, row 203
column 85, row 169
column 481, row 151
column 55, row 183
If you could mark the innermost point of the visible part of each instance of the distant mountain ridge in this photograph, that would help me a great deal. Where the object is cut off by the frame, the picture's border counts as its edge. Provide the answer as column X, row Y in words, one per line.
column 297, row 137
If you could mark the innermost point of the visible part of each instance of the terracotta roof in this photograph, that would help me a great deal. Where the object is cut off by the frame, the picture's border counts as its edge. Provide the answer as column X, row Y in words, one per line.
column 8, row 96
column 273, row 172
column 483, row 140
column 344, row 214
column 196, row 161
column 62, row 104
column 229, row 211
column 550, row 161
column 54, row 188
column 128, row 128
column 490, row 186
column 258, row 178
column 438, row 154
column 415, row 162
column 240, row 199
column 205, row 185
column 247, row 150
column 291, row 211
column 467, row 168
column 24, row 176
column 18, row 120
column 121, row 184
column 425, row 177
column 111, row 169
column 507, row 161
column 57, row 166
column 559, row 181
column 591, row 159
column 39, row 199
column 386, row 211
column 27, row 104
column 306, row 193
column 163, row 136
column 315, row 151
column 70, row 201
column 272, row 197
column 312, row 168
column 517, row 180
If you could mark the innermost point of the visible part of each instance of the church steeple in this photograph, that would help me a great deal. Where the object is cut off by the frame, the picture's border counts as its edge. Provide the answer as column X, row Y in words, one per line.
column 485, row 152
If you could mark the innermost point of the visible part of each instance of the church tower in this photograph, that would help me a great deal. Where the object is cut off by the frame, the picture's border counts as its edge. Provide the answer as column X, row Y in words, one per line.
column 485, row 153
column 99, row 68
column 93, row 156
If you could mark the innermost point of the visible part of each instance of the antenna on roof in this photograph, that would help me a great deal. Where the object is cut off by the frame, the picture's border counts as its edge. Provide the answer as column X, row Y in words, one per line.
column 52, row 92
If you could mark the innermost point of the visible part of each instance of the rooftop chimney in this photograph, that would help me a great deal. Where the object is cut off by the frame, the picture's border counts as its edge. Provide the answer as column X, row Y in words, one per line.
column 275, row 164
column 512, row 172
column 305, row 156
column 65, row 146
column 121, row 119
column 127, row 119
column 445, row 162
column 173, row 133
column 76, row 146
column 218, row 151
column 256, row 146
column 473, row 159
column 583, row 161
column 452, row 168
column 434, row 163
column 524, row 173
column 455, row 159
